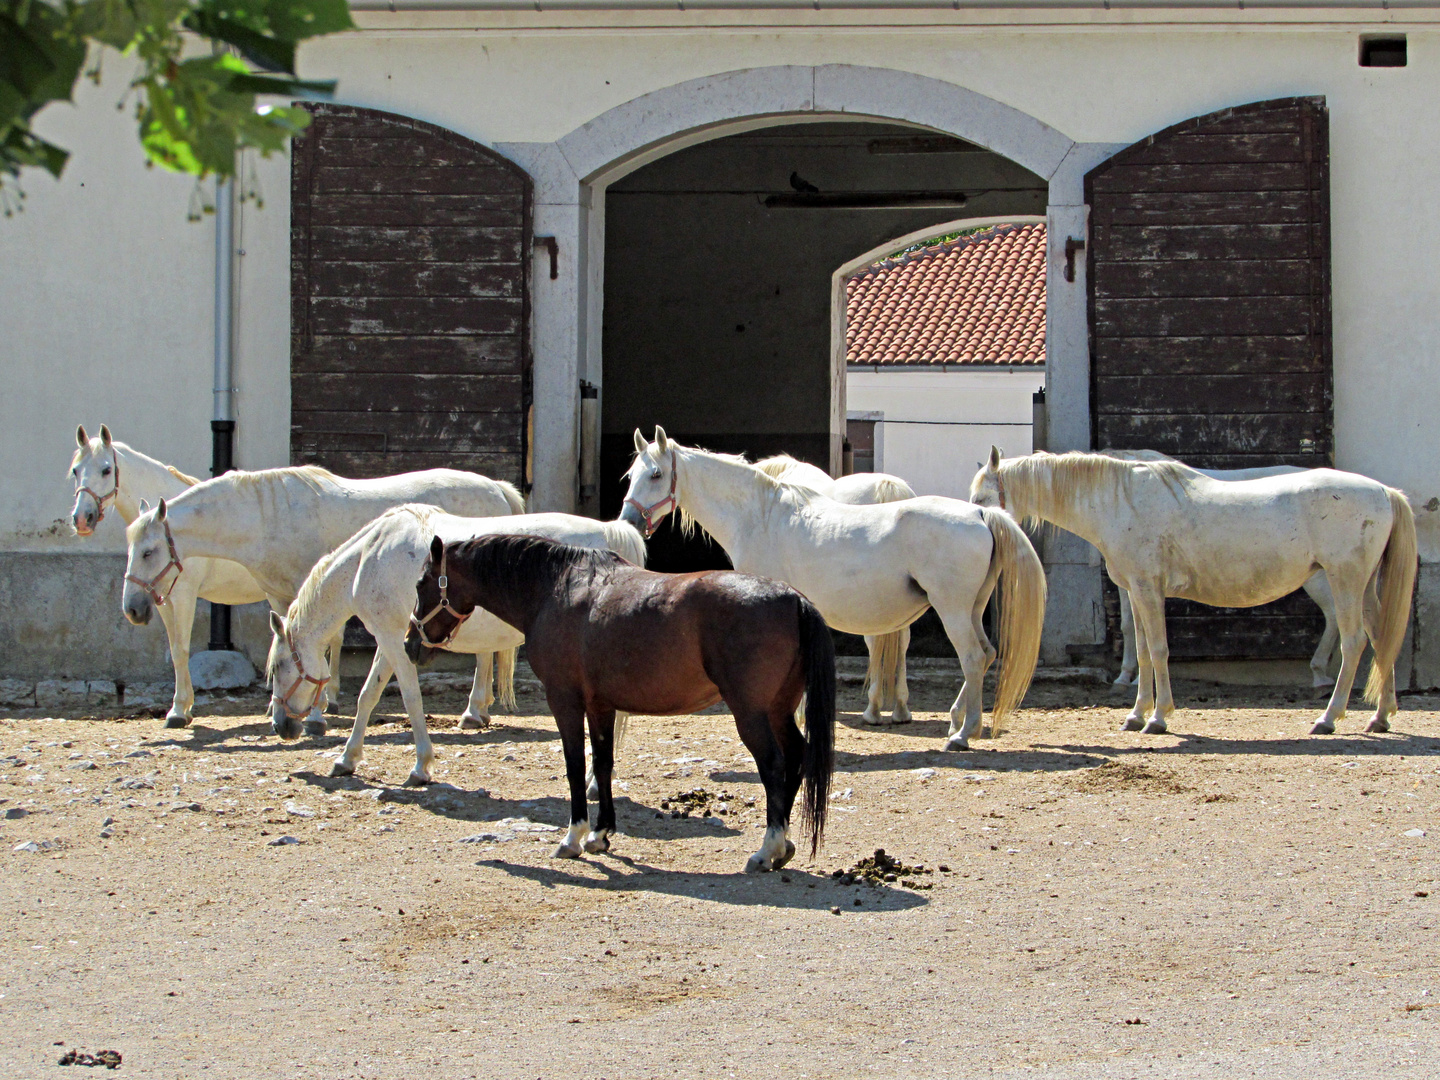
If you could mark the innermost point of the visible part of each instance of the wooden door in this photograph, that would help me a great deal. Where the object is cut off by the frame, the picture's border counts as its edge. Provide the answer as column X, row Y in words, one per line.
column 410, row 311
column 1209, row 270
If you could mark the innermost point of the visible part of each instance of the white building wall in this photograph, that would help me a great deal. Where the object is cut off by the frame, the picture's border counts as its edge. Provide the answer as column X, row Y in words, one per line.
column 937, row 425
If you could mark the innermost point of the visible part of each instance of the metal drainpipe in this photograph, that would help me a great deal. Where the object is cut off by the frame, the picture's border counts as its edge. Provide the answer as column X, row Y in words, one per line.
column 222, row 427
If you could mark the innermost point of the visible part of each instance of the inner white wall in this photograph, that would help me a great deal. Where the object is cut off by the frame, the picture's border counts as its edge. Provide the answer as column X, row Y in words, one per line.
column 939, row 424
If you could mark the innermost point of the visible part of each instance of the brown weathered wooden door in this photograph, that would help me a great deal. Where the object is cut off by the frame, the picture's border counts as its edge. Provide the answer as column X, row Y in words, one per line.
column 410, row 309
column 1209, row 269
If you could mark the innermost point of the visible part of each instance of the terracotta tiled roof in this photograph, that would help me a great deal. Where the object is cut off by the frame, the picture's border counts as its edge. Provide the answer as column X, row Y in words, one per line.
column 976, row 300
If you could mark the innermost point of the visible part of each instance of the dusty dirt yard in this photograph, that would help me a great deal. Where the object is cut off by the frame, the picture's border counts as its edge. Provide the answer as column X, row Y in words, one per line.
column 1234, row 899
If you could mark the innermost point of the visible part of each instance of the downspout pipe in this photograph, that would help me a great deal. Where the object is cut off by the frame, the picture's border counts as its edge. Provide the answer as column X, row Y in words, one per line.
column 222, row 425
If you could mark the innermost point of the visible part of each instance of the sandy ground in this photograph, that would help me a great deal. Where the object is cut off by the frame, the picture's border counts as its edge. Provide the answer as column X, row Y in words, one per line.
column 1234, row 899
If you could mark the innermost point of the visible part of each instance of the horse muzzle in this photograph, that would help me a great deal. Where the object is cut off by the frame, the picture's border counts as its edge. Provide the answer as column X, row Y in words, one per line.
column 631, row 516
column 416, row 649
column 286, row 727
column 139, row 610
column 83, row 524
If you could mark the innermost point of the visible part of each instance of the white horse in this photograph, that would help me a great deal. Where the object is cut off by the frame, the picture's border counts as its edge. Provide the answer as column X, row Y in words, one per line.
column 373, row 575
column 1167, row 530
column 869, row 569
column 277, row 524
column 1317, row 587
column 885, row 684
column 110, row 474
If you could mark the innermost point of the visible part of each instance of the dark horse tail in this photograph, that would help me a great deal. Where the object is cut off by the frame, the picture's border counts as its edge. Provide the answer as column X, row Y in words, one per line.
column 817, row 656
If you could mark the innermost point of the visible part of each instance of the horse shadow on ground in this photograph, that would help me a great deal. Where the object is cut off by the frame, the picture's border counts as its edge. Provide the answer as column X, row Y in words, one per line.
column 801, row 890
column 229, row 740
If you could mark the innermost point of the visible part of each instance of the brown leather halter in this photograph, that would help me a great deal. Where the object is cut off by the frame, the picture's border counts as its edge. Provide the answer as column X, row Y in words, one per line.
column 300, row 679
column 101, row 500
column 646, row 512
column 443, row 605
column 152, row 585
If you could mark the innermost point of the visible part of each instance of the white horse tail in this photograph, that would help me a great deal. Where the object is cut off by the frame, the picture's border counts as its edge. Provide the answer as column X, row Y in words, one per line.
column 1397, row 582
column 512, row 496
column 884, row 670
column 622, row 725
column 892, row 489
column 505, row 678
column 1022, row 612
column 625, row 540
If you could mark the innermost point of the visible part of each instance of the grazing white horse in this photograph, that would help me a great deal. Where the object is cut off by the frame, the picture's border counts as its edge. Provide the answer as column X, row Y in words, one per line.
column 885, row 683
column 373, row 575
column 1317, row 587
column 109, row 474
column 277, row 524
column 869, row 569
column 1167, row 530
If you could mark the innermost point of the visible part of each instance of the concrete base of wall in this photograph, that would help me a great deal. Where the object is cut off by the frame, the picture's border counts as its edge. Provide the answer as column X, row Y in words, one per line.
column 61, row 620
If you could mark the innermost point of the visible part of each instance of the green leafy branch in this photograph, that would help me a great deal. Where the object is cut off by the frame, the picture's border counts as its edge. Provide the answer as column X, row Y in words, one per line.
column 195, row 113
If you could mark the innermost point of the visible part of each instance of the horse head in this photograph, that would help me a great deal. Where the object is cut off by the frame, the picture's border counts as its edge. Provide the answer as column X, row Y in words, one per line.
column 95, row 469
column 297, row 677
column 152, row 565
column 651, row 494
column 434, row 622
column 987, row 489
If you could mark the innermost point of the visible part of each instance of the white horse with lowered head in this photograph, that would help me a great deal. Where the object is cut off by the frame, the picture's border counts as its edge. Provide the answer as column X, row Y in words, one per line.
column 108, row 474
column 885, row 684
column 869, row 569
column 373, row 575
column 277, row 524
column 1317, row 587
column 1167, row 530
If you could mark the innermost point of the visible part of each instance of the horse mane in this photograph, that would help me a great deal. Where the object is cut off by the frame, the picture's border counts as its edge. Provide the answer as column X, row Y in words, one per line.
column 1076, row 473
column 776, row 467
column 313, row 476
column 302, row 608
column 510, row 561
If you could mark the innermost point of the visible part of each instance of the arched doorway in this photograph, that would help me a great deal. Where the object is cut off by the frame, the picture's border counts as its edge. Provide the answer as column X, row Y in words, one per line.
column 718, row 275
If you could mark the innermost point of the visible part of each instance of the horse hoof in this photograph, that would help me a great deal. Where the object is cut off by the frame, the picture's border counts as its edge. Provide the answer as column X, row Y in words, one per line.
column 177, row 720
column 756, row 864
column 1133, row 723
column 1154, row 727
column 470, row 722
column 333, row 708
column 314, row 727
column 957, row 742
column 417, row 779
column 789, row 854
column 593, row 791
column 341, row 769
column 898, row 717
column 566, row 852
column 870, row 719
column 1378, row 724
column 1323, row 727
column 1124, row 679
column 597, row 843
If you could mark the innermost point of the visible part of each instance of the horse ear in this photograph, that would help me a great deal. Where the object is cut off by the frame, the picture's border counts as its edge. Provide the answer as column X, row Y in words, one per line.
column 105, row 435
column 160, row 511
column 277, row 624
column 437, row 549
column 994, row 457
column 640, row 443
column 661, row 441
column 144, row 506
column 81, row 438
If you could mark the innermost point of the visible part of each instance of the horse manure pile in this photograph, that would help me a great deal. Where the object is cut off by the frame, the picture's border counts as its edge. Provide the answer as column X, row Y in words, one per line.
column 110, row 1059
column 698, row 801
column 883, row 869
column 1129, row 776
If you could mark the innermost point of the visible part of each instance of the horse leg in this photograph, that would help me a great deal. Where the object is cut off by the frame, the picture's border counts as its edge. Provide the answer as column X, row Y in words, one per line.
column 1350, row 618
column 179, row 618
column 332, row 700
column 1386, row 705
column 375, row 682
column 476, row 716
column 778, row 748
column 901, row 712
column 602, row 754
column 873, row 704
column 1144, row 676
column 1319, row 589
column 974, row 659
column 409, row 680
column 592, row 787
column 315, row 724
column 570, row 719
column 1128, row 662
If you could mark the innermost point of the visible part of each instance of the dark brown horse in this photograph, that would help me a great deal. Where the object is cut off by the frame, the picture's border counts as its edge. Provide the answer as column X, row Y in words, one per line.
column 604, row 635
